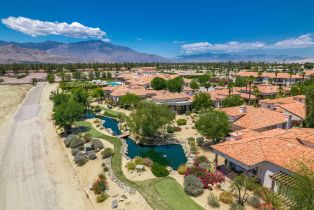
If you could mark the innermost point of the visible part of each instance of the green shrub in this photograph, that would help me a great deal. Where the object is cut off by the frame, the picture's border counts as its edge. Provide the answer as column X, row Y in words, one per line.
column 204, row 165
column 104, row 167
column 159, row 170
column 106, row 153
column 254, row 201
column 193, row 186
column 200, row 141
column 102, row 197
column 76, row 142
column 74, row 151
column 181, row 122
column 96, row 121
column 130, row 166
column 87, row 137
column 97, row 144
column 193, row 149
column 100, row 185
column 213, row 201
column 235, row 206
column 171, row 129
column 226, row 197
column 69, row 139
column 138, row 160
column 182, row 169
column 80, row 159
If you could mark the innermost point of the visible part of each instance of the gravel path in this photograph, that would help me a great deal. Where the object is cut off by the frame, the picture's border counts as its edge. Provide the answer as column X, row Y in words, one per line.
column 34, row 172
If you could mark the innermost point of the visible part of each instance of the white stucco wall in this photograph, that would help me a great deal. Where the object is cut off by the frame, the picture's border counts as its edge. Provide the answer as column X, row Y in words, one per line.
column 266, row 169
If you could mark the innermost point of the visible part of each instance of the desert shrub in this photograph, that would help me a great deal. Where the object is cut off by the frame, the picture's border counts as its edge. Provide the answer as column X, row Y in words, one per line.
column 235, row 206
column 96, row 121
column 147, row 162
column 97, row 144
column 130, row 166
column 100, row 185
column 80, row 159
column 76, row 142
column 193, row 186
column 138, row 160
column 215, row 178
column 191, row 141
column 74, row 151
column 102, row 197
column 87, row 137
column 92, row 155
column 171, row 129
column 213, row 201
column 204, row 165
column 97, row 109
column 181, row 122
column 254, row 201
column 193, row 149
column 226, row 197
column 177, row 129
column 159, row 170
column 200, row 141
column 182, row 169
column 106, row 153
column 104, row 167
column 81, row 148
column 200, row 159
column 69, row 139
column 201, row 173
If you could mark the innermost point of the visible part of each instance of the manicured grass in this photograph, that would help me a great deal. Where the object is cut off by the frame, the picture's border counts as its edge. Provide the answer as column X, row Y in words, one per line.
column 174, row 195
column 110, row 113
column 155, row 191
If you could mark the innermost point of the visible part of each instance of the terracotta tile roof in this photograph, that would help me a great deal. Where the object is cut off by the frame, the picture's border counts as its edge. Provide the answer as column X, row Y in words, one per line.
column 165, row 95
column 295, row 108
column 280, row 75
column 222, row 93
column 265, row 89
column 280, row 149
column 255, row 118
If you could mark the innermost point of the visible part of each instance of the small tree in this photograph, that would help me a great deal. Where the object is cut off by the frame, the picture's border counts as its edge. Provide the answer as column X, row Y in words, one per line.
column 193, row 186
column 158, row 83
column 129, row 100
column 309, row 105
column 175, row 85
column 194, row 85
column 213, row 124
column 50, row 77
column 202, row 101
column 233, row 100
column 242, row 183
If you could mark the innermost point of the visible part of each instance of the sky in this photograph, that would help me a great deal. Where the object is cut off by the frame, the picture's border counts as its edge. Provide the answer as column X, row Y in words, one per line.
column 167, row 27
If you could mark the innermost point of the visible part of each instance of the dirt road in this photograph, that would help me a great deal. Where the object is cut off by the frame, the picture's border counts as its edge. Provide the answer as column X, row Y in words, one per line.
column 35, row 174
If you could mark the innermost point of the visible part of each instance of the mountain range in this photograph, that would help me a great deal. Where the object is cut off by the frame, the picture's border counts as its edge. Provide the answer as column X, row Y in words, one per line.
column 99, row 51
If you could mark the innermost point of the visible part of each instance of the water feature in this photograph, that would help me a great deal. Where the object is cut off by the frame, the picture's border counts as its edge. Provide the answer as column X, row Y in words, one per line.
column 114, row 83
column 173, row 153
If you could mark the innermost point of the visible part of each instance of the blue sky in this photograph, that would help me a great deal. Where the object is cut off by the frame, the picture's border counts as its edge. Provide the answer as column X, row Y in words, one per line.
column 168, row 27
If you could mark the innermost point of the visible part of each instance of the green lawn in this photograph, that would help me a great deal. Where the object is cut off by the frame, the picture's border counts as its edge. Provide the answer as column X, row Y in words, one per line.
column 160, row 193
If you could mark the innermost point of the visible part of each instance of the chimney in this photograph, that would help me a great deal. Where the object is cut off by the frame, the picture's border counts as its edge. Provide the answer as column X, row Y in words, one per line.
column 243, row 109
column 288, row 118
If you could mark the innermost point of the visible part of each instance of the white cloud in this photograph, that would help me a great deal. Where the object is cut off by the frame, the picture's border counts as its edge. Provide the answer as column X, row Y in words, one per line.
column 178, row 42
column 43, row 28
column 302, row 41
column 139, row 39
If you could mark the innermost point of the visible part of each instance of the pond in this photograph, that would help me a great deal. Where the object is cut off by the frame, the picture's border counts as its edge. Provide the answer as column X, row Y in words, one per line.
column 173, row 154
column 114, row 83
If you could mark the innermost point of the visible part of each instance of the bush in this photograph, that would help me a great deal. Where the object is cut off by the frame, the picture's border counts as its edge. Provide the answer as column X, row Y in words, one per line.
column 193, row 149
column 200, row 141
column 191, row 141
column 102, row 197
column 96, row 121
column 171, row 129
column 69, row 139
column 182, row 169
column 213, row 201
column 100, row 185
column 106, row 153
column 138, row 161
column 193, row 186
column 97, row 144
column 254, row 201
column 76, row 142
column 92, row 155
column 74, row 151
column 181, row 122
column 130, row 166
column 87, row 137
column 235, row 206
column 159, row 170
column 80, row 159
column 204, row 165
column 147, row 162
column 226, row 197
column 104, row 167
column 200, row 159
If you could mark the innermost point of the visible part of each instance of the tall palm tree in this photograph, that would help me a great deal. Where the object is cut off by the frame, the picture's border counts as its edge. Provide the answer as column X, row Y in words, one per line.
column 290, row 76
column 230, row 88
column 250, row 81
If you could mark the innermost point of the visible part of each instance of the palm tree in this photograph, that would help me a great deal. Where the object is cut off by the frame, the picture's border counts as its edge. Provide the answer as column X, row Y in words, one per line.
column 256, row 93
column 290, row 75
column 259, row 75
column 303, row 75
column 230, row 88
column 250, row 81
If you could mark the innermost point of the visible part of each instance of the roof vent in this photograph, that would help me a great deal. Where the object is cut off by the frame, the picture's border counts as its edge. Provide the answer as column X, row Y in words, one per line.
column 243, row 109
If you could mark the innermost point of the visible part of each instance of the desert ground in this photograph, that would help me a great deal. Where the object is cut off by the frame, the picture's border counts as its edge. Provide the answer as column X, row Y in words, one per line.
column 34, row 170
